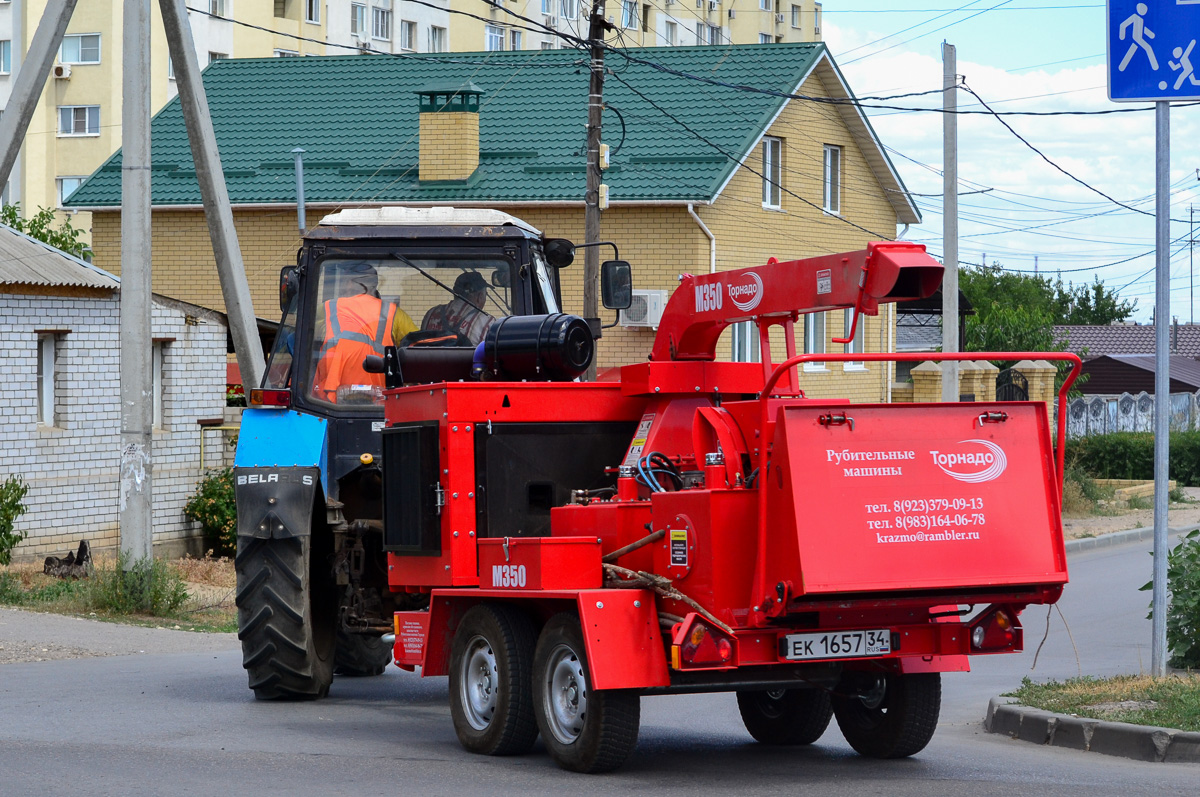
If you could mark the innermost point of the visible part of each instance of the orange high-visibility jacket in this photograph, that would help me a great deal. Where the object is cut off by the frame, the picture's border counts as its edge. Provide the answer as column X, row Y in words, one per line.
column 355, row 326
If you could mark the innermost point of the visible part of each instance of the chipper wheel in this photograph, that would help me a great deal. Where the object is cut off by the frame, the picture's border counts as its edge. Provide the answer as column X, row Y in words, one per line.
column 585, row 730
column 287, row 611
column 360, row 655
column 894, row 718
column 786, row 716
column 490, row 664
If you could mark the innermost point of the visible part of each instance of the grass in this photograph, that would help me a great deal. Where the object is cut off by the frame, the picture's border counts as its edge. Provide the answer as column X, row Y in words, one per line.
column 1170, row 702
column 194, row 594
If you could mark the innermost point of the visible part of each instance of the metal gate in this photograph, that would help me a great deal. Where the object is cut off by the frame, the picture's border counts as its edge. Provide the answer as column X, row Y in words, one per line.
column 1011, row 385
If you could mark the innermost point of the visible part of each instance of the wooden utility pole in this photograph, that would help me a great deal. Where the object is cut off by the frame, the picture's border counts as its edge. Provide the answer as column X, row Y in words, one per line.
column 591, row 213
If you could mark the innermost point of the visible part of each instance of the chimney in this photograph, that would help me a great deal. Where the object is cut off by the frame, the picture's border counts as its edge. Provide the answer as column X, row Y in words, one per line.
column 449, row 132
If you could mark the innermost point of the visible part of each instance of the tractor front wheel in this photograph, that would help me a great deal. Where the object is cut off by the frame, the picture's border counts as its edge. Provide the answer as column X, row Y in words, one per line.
column 786, row 716
column 894, row 717
column 585, row 730
column 361, row 655
column 490, row 662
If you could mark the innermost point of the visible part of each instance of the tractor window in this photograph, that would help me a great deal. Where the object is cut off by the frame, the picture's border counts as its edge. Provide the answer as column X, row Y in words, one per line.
column 418, row 300
column 279, row 367
column 543, row 291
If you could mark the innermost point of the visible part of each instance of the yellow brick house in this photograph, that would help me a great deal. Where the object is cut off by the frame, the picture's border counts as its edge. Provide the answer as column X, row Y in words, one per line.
column 704, row 173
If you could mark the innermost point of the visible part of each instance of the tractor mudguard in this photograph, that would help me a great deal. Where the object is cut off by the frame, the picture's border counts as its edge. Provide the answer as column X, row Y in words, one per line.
column 280, row 462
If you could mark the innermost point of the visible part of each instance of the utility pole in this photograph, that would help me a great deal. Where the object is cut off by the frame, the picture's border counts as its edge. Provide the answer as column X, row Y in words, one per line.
column 137, row 382
column 1191, row 266
column 950, row 220
column 591, row 213
column 1035, row 265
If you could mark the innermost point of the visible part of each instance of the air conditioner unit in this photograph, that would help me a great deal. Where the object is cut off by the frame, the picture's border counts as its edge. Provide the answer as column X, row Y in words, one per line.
column 646, row 309
column 817, row 30
column 713, row 5
column 670, row 2
column 62, row 71
column 732, row 14
column 779, row 19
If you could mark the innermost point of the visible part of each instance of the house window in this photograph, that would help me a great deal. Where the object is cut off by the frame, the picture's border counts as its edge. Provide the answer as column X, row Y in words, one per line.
column 217, row 56
column 629, row 14
column 814, row 338
column 795, row 16
column 358, row 18
column 408, row 35
column 437, row 39
column 569, row 9
column 170, row 68
column 548, row 7
column 701, row 32
column 46, row 357
column 286, row 54
column 381, row 24
column 772, row 171
column 5, row 57
column 714, row 34
column 493, row 37
column 817, row 19
column 547, row 45
column 80, row 48
column 64, row 186
column 79, row 120
column 312, row 11
column 833, row 179
column 766, row 5
column 745, row 342
column 671, row 34
column 765, row 38
column 855, row 346
column 514, row 39
column 156, row 398
column 216, row 8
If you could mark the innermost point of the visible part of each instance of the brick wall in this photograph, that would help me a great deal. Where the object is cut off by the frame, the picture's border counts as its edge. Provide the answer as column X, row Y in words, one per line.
column 72, row 466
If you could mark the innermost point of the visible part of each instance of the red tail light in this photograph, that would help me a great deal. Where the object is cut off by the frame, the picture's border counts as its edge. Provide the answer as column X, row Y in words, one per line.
column 270, row 398
column 698, row 645
column 995, row 630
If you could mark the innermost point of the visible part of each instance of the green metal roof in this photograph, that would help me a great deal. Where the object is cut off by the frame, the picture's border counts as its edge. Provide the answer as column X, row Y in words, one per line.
column 356, row 117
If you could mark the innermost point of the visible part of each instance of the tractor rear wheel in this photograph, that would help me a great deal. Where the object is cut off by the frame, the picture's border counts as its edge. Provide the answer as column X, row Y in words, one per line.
column 585, row 730
column 786, row 716
column 287, row 612
column 360, row 655
column 490, row 662
column 894, row 718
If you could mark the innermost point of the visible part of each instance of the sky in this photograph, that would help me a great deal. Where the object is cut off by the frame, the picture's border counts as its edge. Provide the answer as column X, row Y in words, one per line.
column 1020, row 56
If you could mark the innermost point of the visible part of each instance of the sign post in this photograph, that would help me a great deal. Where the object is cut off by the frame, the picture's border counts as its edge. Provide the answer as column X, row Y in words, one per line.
column 1150, row 49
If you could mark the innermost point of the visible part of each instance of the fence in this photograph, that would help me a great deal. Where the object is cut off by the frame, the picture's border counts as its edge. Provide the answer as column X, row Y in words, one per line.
column 1093, row 415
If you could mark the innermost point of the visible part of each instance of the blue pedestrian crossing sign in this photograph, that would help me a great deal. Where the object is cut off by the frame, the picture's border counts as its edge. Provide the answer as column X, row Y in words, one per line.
column 1152, row 52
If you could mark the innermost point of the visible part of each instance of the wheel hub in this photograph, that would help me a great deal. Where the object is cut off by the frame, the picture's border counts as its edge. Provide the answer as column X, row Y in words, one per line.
column 566, row 695
column 479, row 683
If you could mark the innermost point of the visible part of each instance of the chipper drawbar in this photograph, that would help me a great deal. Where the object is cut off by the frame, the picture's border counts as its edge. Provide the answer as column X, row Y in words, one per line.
column 700, row 526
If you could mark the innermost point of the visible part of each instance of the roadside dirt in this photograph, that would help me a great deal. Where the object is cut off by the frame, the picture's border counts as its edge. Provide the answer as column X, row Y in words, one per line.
column 1123, row 519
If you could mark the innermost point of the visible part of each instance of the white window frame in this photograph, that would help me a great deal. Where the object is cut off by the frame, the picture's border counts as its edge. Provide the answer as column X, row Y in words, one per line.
column 630, row 15
column 286, row 53
column 493, row 38
column 857, row 344
column 312, row 11
column 216, row 8
column 796, row 16
column 548, row 45
column 766, row 5
column 816, row 19
column 408, row 35
column 515, row 39
column 170, row 68
column 814, row 339
column 60, row 183
column 358, row 19
column 437, row 39
column 671, row 33
column 714, row 34
column 832, row 199
column 88, row 129
column 569, row 9
column 744, row 342
column 46, row 362
column 772, row 173
column 381, row 24
column 766, row 38
column 213, row 55
column 77, row 40
column 5, row 57
column 548, row 7
column 156, row 369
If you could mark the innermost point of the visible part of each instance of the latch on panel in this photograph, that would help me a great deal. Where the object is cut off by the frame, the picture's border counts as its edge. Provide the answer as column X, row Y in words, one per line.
column 991, row 417
column 836, row 419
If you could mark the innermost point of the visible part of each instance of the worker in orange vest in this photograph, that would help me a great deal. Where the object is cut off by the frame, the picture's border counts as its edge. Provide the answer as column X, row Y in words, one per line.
column 357, row 324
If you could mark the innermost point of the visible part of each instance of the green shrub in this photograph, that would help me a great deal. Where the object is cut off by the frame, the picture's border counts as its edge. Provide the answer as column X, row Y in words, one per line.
column 12, row 490
column 1130, row 455
column 1183, row 602
column 213, row 507
column 146, row 586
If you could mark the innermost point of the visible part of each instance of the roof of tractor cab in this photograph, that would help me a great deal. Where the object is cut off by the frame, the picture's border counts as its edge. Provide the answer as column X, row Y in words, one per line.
column 397, row 216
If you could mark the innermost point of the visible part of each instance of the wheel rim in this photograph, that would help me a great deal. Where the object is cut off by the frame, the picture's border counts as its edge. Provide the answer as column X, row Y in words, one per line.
column 566, row 695
column 872, row 699
column 478, row 686
column 770, row 703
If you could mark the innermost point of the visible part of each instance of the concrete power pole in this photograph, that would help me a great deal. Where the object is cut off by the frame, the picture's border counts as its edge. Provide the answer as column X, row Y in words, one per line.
column 591, row 213
column 950, row 220
column 137, row 382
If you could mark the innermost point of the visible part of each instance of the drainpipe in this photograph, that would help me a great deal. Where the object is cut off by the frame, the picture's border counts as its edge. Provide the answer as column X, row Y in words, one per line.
column 712, row 240
column 903, row 232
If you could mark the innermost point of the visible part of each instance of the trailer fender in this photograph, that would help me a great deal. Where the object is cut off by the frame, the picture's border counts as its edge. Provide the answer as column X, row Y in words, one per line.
column 624, row 644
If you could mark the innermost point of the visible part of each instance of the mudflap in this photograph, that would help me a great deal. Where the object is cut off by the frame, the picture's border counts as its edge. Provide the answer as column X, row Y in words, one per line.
column 275, row 502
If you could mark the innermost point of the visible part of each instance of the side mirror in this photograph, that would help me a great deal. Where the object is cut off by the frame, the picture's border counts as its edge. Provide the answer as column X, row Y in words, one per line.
column 560, row 252
column 289, row 286
column 616, row 284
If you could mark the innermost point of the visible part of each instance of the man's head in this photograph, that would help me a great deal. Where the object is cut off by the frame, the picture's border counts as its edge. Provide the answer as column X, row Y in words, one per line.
column 361, row 274
column 471, row 286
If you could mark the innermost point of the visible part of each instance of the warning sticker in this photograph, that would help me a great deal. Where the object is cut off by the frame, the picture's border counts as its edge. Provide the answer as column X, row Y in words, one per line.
column 639, row 440
column 679, row 548
column 825, row 281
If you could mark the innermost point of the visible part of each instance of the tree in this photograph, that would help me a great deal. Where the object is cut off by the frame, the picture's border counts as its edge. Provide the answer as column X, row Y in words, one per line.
column 1090, row 305
column 41, row 227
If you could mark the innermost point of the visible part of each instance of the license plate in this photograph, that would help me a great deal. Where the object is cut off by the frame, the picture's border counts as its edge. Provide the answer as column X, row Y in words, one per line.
column 836, row 644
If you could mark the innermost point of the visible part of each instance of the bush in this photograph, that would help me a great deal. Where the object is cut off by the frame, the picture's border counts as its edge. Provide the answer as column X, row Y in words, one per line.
column 213, row 507
column 1130, row 455
column 12, row 490
column 1183, row 602
column 147, row 586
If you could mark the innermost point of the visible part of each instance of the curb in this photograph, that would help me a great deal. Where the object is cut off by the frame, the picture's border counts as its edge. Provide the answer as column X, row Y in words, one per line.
column 1139, row 742
column 1121, row 537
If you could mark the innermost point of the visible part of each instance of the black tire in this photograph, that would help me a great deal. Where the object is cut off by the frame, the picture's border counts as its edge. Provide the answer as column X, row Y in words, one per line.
column 287, row 612
column 895, row 719
column 786, row 716
column 360, row 655
column 490, row 665
column 585, row 730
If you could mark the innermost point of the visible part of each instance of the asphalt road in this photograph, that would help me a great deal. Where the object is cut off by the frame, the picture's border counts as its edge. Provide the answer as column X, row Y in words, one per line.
column 164, row 722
